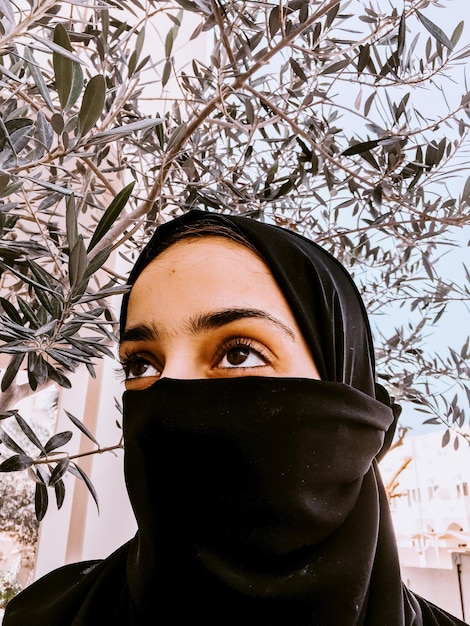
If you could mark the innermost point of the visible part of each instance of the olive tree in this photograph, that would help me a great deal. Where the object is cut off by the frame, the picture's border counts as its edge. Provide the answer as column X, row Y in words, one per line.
column 346, row 121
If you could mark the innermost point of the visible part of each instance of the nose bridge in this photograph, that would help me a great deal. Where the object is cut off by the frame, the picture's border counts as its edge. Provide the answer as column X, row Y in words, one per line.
column 181, row 362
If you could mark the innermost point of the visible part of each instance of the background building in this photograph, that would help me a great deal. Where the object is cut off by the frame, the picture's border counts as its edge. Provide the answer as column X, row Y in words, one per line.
column 431, row 513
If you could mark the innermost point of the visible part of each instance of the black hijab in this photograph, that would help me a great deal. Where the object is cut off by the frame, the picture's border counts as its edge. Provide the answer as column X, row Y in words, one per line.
column 319, row 290
column 258, row 500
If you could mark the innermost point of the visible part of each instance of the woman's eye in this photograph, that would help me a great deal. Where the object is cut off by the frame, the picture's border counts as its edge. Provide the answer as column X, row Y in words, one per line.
column 241, row 356
column 139, row 368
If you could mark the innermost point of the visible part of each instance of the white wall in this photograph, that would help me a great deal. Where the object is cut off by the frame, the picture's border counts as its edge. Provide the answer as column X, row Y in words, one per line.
column 441, row 586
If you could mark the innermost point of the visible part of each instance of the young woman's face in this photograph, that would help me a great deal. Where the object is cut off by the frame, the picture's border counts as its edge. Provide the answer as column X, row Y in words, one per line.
column 210, row 308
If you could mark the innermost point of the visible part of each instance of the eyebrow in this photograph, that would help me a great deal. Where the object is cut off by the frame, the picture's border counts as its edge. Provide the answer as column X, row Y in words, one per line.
column 217, row 319
column 205, row 321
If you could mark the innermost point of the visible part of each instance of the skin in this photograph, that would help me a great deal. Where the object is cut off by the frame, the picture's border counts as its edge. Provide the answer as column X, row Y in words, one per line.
column 210, row 308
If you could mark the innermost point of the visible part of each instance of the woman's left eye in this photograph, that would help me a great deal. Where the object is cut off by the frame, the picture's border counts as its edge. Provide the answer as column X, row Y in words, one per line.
column 240, row 355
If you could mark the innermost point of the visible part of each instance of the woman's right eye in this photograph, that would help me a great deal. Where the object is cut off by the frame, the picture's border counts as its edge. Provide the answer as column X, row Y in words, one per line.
column 139, row 367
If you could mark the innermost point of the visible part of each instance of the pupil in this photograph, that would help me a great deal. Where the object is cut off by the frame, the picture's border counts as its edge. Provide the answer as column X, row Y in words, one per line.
column 138, row 369
column 237, row 356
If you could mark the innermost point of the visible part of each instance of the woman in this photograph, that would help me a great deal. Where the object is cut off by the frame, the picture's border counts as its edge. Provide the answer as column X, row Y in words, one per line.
column 253, row 426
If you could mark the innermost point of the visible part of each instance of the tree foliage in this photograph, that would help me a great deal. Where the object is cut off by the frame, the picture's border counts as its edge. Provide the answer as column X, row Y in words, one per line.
column 343, row 121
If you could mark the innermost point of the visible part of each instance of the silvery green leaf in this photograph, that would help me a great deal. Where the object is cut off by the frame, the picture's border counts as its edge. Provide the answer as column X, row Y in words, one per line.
column 44, row 135
column 68, row 73
column 111, row 214
column 71, row 224
column 77, row 86
column 10, row 443
column 55, row 48
column 57, row 440
column 11, row 371
column 35, row 70
column 92, row 104
column 81, row 426
column 10, row 75
column 435, row 31
column 122, row 131
column 59, row 470
column 8, row 19
column 16, row 142
column 16, row 463
column 26, row 278
column 59, row 488
column 30, row 434
column 176, row 135
column 65, row 191
column 41, row 501
column 77, row 471
column 77, row 262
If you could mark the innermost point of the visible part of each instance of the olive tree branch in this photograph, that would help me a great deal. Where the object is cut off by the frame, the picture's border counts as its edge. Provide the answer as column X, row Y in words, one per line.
column 54, row 457
column 187, row 131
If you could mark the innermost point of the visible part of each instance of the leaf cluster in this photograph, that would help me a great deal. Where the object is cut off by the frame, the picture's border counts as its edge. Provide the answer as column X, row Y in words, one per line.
column 48, row 465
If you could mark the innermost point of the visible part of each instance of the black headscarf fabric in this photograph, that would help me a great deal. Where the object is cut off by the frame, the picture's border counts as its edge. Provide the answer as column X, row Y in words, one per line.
column 258, row 500
column 319, row 290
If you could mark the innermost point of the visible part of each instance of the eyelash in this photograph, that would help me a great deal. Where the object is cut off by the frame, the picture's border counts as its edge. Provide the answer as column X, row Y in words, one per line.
column 240, row 342
column 130, row 359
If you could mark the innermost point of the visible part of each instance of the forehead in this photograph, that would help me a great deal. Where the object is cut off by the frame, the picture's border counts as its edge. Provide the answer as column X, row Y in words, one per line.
column 210, row 252
column 207, row 272
column 211, row 246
